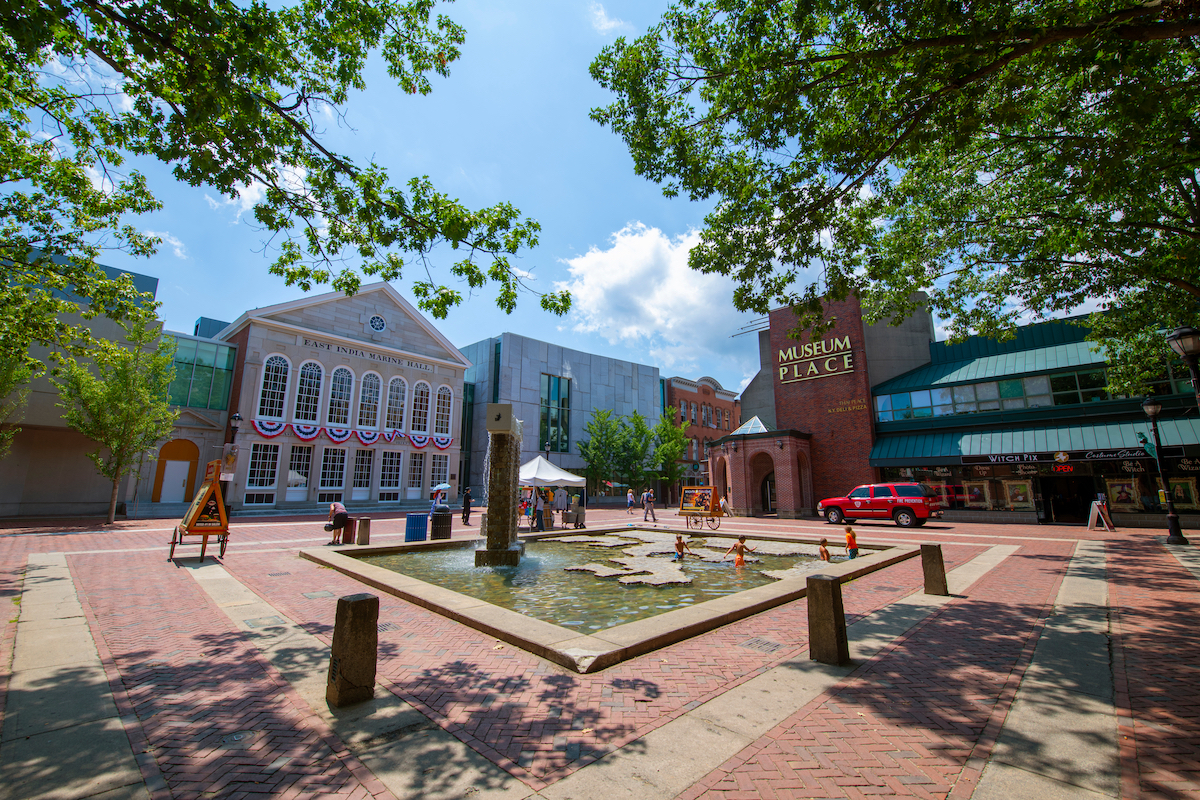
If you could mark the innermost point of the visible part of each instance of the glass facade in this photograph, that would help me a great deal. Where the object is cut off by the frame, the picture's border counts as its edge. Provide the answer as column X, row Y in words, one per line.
column 204, row 374
column 555, row 407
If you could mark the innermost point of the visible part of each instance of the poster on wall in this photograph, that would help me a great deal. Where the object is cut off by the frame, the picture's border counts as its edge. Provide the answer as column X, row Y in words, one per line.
column 1183, row 492
column 1122, row 494
column 977, row 494
column 1019, row 495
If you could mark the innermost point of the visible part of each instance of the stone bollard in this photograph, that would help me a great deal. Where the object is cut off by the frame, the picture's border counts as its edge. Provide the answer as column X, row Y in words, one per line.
column 355, row 646
column 935, row 570
column 364, row 531
column 483, row 522
column 826, row 621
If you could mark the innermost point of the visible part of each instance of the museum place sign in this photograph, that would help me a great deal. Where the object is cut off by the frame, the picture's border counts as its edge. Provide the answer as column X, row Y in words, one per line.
column 1064, row 456
column 821, row 359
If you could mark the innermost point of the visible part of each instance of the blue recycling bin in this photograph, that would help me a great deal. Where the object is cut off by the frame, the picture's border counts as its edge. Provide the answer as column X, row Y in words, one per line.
column 415, row 526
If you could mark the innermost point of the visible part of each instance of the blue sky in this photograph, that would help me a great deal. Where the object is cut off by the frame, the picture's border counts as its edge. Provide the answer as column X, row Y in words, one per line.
column 511, row 123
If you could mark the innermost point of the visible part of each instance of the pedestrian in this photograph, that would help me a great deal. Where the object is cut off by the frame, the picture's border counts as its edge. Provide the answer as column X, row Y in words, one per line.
column 851, row 543
column 629, row 501
column 338, row 517
column 466, row 501
column 739, row 549
column 539, row 508
column 560, row 505
column 648, row 506
column 823, row 550
column 680, row 546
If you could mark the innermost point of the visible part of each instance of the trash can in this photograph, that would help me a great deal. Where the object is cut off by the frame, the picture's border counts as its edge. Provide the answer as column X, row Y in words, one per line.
column 414, row 527
column 364, row 531
column 441, row 525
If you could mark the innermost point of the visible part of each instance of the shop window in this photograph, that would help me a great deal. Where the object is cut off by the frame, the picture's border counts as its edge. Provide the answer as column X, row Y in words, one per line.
column 420, row 409
column 555, row 414
column 308, row 393
column 397, row 391
column 368, row 401
column 341, row 386
column 441, row 417
column 274, row 388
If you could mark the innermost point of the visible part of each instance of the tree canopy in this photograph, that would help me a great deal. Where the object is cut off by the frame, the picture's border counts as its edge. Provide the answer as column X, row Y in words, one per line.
column 231, row 96
column 1012, row 160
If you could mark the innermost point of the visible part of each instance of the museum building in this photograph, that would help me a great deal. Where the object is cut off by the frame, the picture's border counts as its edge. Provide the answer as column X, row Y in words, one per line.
column 1023, row 430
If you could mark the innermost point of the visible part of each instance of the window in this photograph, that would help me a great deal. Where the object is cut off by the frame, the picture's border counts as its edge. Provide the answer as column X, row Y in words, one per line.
column 683, row 412
column 300, row 466
column 341, row 386
column 720, row 414
column 861, row 492
column 693, row 413
column 368, row 401
column 439, row 469
column 441, row 417
column 416, row 470
column 264, row 463
column 363, row 461
column 204, row 374
column 274, row 388
column 308, row 393
column 884, row 491
column 378, row 323
column 1091, row 386
column 389, row 475
column 333, row 468
column 420, row 409
column 911, row 491
column 397, row 390
column 883, row 408
column 555, row 417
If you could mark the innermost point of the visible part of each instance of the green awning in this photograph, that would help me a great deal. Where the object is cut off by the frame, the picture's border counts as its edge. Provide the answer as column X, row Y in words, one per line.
column 949, row 447
column 989, row 368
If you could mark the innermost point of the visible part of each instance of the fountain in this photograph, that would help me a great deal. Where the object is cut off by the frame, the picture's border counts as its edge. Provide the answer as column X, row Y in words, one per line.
column 502, row 469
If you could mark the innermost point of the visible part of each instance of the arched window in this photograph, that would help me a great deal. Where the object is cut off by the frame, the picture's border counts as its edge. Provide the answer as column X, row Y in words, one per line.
column 694, row 409
column 368, row 401
column 341, row 386
column 397, row 397
column 683, row 412
column 308, row 393
column 420, row 411
column 274, row 387
column 441, row 419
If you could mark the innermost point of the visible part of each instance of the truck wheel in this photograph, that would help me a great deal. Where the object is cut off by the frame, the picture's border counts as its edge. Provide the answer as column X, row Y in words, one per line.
column 833, row 516
column 905, row 518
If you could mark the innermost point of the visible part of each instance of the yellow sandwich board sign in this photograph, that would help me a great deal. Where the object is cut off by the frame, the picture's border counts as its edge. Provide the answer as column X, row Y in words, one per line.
column 207, row 512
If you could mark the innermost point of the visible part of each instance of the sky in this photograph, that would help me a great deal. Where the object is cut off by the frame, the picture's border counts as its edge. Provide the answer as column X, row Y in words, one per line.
column 510, row 123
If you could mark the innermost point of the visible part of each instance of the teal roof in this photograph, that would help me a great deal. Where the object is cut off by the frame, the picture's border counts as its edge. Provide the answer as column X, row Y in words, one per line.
column 991, row 367
column 752, row 425
column 1027, row 337
column 916, row 449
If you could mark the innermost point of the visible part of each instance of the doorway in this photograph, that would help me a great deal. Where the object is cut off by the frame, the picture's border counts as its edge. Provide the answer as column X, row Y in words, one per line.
column 768, row 493
column 174, row 481
column 1067, row 500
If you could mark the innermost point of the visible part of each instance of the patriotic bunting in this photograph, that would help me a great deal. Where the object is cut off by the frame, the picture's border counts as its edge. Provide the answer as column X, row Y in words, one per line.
column 391, row 436
column 306, row 432
column 269, row 429
column 367, row 437
column 418, row 441
column 338, row 435
column 442, row 442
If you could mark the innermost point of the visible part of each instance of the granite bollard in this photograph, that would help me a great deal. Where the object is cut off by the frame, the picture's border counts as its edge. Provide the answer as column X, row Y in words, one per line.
column 355, row 648
column 364, row 531
column 935, row 570
column 827, row 641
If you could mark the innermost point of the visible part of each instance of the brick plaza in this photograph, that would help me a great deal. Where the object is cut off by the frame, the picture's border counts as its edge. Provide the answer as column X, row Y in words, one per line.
column 1063, row 665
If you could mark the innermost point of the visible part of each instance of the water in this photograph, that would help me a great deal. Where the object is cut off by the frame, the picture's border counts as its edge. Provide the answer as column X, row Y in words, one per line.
column 540, row 586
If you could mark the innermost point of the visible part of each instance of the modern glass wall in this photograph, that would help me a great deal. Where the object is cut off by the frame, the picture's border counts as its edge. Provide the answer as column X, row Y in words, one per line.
column 203, row 373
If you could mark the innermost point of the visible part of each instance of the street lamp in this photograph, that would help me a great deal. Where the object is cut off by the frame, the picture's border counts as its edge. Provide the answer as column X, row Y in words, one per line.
column 1185, row 342
column 235, row 424
column 1174, row 535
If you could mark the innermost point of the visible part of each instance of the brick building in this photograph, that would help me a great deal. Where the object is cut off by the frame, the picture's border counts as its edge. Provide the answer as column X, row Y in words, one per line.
column 711, row 412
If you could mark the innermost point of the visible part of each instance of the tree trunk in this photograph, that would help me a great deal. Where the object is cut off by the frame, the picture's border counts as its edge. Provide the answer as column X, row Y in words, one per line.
column 112, row 502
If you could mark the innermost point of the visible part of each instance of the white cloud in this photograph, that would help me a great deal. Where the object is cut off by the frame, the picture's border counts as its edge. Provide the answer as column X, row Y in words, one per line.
column 640, row 293
column 605, row 24
column 172, row 241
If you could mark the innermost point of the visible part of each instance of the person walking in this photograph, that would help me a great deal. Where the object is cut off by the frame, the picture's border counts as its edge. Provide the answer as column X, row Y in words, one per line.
column 539, row 509
column 466, row 501
column 629, row 501
column 648, row 506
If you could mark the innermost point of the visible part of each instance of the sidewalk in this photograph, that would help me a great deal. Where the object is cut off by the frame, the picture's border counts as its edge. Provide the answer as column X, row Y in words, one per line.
column 1065, row 661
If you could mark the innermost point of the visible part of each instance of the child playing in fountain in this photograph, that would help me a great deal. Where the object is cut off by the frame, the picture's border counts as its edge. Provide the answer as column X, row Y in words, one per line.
column 823, row 550
column 851, row 543
column 680, row 546
column 739, row 549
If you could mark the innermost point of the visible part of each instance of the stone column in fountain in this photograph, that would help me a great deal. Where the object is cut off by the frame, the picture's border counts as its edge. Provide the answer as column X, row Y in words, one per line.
column 503, row 498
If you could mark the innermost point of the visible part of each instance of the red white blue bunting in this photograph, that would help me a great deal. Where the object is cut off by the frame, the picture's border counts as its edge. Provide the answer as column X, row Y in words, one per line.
column 306, row 432
column 338, row 435
column 367, row 437
column 442, row 442
column 418, row 441
column 391, row 436
column 269, row 429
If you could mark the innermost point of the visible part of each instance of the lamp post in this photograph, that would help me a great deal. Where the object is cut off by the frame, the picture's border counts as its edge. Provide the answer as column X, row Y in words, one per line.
column 235, row 424
column 1185, row 342
column 1174, row 535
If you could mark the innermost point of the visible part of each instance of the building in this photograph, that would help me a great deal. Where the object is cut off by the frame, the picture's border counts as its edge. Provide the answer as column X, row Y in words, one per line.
column 553, row 391
column 1023, row 430
column 711, row 411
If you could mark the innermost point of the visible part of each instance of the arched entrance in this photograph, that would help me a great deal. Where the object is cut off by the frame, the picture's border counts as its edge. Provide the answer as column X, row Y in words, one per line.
column 720, row 477
column 175, row 474
column 767, row 491
column 761, row 486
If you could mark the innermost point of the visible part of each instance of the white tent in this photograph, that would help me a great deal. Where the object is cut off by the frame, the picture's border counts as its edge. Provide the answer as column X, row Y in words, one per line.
column 540, row 472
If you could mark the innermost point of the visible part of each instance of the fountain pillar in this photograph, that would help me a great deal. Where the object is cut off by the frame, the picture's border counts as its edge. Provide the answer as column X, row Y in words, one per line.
column 503, row 497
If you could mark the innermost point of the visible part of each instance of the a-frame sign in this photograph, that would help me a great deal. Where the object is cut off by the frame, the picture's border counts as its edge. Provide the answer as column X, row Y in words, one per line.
column 206, row 515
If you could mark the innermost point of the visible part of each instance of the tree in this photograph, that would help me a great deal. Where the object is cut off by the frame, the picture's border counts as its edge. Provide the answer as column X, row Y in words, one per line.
column 600, row 448
column 120, row 401
column 1011, row 160
column 230, row 96
column 631, row 459
column 14, row 391
column 670, row 442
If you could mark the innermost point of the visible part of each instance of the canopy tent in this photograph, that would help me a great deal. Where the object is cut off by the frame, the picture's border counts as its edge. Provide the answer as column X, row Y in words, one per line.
column 540, row 472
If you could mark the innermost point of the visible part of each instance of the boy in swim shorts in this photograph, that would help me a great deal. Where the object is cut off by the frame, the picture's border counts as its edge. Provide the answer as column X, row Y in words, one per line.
column 739, row 548
column 680, row 546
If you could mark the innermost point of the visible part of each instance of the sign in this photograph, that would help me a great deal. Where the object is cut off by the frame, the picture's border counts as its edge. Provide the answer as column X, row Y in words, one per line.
column 698, row 500
column 207, row 512
column 856, row 404
column 812, row 360
column 342, row 350
column 1025, row 469
column 1065, row 456
column 1099, row 516
column 229, row 461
